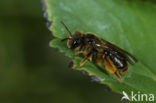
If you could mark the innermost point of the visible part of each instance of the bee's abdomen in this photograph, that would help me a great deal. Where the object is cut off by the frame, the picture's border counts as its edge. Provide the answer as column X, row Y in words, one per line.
column 118, row 59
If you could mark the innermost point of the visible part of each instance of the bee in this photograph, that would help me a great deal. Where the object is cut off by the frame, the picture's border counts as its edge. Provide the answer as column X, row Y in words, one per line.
column 103, row 52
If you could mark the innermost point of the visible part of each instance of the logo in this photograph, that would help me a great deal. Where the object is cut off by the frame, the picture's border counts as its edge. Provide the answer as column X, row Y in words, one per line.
column 137, row 97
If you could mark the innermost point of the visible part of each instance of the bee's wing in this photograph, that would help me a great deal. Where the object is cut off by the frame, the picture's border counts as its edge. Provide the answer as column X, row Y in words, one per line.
column 131, row 59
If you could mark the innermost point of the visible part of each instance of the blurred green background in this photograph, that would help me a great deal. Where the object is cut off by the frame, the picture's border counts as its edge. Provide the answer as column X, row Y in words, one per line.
column 31, row 71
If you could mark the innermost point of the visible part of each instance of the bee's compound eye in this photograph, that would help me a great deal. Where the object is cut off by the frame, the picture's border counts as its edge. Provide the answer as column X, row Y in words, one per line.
column 75, row 43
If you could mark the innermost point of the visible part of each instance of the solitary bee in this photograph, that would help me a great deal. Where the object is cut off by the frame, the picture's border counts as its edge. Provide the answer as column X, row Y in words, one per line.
column 103, row 52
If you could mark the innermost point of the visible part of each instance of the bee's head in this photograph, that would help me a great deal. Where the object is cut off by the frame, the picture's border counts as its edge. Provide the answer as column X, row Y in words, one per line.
column 74, row 40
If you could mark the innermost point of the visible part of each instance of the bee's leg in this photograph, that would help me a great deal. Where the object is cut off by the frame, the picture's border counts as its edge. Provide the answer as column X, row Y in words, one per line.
column 117, row 74
column 111, row 68
column 99, row 58
column 76, row 53
column 108, row 64
column 85, row 59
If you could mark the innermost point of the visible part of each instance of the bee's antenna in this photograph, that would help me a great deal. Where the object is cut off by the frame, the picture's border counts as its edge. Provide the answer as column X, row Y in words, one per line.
column 65, row 39
column 66, row 28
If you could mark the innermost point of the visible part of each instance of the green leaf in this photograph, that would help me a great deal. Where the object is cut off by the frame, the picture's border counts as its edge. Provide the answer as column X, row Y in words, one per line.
column 130, row 25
